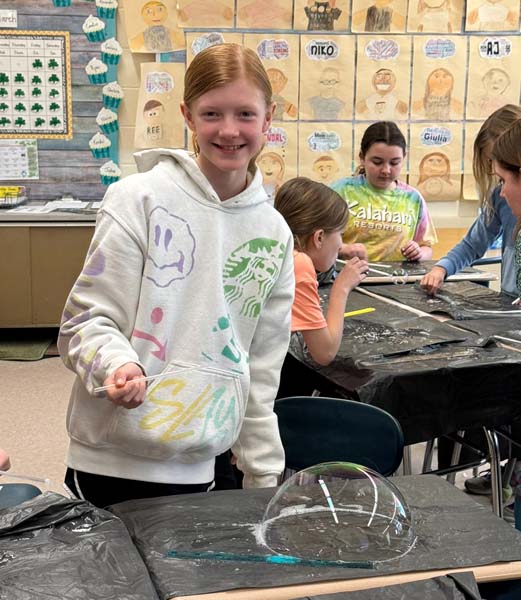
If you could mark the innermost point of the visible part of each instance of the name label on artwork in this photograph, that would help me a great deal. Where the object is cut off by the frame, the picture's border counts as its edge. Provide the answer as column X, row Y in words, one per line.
column 495, row 48
column 8, row 18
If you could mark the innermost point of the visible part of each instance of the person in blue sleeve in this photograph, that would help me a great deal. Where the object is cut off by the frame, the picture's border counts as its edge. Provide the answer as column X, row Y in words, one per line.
column 495, row 219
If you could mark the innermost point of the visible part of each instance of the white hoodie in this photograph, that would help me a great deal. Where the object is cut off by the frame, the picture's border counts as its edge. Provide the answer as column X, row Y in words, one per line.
column 180, row 282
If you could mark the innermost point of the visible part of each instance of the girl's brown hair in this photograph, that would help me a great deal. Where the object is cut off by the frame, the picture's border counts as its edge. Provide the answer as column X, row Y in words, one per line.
column 220, row 65
column 381, row 132
column 496, row 124
column 507, row 153
column 307, row 206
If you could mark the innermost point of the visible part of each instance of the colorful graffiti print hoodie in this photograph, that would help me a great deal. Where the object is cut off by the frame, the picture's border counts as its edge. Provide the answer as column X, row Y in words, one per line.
column 197, row 289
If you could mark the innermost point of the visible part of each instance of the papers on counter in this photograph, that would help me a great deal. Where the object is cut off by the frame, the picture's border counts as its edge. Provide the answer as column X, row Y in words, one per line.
column 54, row 205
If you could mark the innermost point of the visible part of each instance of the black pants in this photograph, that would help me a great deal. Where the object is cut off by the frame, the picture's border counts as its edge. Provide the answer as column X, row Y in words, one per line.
column 102, row 491
column 227, row 476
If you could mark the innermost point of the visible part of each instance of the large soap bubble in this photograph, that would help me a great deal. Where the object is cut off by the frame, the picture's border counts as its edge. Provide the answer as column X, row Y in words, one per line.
column 338, row 511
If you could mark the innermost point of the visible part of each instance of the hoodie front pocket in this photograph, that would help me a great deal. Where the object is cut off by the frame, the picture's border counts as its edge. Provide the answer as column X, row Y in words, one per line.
column 190, row 414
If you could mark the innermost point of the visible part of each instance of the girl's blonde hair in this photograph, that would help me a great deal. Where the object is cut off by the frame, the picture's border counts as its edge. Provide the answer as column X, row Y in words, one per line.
column 220, row 65
column 307, row 206
column 496, row 124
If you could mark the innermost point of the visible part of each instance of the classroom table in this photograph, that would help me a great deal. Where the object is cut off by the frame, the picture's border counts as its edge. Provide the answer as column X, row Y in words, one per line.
column 55, row 547
column 454, row 533
column 435, row 377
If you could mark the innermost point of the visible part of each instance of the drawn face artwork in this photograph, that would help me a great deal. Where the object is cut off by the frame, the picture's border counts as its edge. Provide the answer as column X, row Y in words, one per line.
column 510, row 188
column 154, row 14
column 440, row 82
column 434, row 165
column 172, row 251
column 325, row 168
column 272, row 167
column 384, row 81
column 382, row 164
column 154, row 115
column 329, row 80
column 495, row 82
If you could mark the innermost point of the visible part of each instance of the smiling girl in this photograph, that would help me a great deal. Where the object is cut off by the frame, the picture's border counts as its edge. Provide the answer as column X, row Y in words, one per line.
column 189, row 278
column 388, row 216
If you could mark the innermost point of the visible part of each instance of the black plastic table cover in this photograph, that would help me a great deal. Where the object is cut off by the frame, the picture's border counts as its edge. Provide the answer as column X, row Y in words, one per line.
column 433, row 388
column 458, row 299
column 389, row 329
column 452, row 529
column 53, row 547
column 455, row 586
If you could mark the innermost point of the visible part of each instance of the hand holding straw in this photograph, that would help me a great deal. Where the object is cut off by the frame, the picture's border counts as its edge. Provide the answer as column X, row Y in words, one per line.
column 144, row 378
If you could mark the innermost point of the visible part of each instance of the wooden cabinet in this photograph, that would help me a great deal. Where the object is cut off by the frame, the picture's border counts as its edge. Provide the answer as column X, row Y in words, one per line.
column 38, row 267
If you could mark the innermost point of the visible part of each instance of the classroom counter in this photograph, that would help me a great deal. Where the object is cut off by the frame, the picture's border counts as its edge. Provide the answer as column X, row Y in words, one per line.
column 33, row 213
column 46, row 254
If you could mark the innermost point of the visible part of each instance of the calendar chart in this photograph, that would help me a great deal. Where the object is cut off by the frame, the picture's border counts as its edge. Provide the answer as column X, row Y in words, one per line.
column 35, row 84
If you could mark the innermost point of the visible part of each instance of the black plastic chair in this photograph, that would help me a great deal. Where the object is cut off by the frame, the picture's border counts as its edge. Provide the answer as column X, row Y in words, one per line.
column 315, row 429
column 12, row 494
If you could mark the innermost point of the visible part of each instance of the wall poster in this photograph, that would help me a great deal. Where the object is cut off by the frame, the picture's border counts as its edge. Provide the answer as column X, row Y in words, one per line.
column 35, row 84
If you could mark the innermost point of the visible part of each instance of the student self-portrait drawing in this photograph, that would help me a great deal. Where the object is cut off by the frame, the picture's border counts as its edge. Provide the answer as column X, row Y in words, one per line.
column 321, row 16
column 383, row 103
column 380, row 17
column 328, row 104
column 160, row 33
column 438, row 103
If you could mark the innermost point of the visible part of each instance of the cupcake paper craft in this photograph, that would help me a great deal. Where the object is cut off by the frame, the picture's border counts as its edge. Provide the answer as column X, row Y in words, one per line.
column 111, row 51
column 106, row 9
column 112, row 95
column 94, row 29
column 96, row 71
column 99, row 145
column 107, row 120
column 61, row 2
column 109, row 173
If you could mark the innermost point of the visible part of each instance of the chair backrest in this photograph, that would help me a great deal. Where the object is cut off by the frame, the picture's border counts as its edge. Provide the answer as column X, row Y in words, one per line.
column 12, row 494
column 317, row 429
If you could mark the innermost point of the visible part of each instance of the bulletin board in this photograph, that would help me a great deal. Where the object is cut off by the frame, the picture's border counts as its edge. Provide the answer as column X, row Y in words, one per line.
column 35, row 84
column 438, row 70
column 61, row 162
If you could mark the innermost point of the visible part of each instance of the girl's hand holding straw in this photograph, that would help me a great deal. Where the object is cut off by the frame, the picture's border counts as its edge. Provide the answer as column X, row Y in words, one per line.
column 126, row 386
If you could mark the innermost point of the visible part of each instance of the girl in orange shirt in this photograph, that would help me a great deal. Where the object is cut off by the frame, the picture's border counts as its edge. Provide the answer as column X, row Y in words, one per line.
column 317, row 217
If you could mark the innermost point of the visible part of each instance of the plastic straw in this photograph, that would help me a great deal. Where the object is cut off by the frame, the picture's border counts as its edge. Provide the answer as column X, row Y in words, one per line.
column 147, row 378
column 26, row 477
column 390, row 275
column 361, row 311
